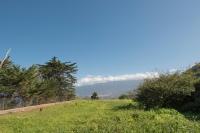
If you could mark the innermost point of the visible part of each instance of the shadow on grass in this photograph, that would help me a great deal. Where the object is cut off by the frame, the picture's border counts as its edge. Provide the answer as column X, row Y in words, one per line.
column 129, row 106
column 191, row 116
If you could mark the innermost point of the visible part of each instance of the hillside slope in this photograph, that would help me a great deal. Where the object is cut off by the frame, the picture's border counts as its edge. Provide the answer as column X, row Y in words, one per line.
column 111, row 116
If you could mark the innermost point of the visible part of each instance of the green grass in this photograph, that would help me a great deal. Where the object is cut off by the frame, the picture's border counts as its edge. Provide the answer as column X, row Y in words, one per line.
column 110, row 116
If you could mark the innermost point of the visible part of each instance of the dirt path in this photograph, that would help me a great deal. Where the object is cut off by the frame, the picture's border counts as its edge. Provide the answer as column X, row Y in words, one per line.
column 29, row 108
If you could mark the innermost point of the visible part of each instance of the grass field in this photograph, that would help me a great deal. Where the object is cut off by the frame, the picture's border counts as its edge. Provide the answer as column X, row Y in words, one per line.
column 110, row 116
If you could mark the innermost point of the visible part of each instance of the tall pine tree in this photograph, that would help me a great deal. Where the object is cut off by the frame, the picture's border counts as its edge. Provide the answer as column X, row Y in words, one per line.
column 61, row 76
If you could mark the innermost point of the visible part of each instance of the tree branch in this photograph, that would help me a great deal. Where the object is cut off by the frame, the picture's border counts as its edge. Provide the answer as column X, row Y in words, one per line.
column 6, row 56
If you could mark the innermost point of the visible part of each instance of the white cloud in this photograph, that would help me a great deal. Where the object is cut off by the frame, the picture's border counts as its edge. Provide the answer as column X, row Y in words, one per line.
column 90, row 80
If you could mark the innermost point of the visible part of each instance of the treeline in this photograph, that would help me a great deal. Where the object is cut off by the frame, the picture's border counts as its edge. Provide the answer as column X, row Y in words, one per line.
column 44, row 83
column 180, row 90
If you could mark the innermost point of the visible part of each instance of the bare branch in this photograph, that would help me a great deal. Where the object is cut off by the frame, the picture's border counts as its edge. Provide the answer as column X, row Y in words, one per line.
column 6, row 56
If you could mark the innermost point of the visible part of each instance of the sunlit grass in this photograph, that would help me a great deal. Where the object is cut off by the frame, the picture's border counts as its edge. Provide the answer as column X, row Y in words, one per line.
column 109, row 116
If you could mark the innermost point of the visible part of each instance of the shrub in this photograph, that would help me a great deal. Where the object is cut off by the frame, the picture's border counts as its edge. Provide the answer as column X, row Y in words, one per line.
column 94, row 96
column 128, row 95
column 123, row 96
column 168, row 91
column 193, row 103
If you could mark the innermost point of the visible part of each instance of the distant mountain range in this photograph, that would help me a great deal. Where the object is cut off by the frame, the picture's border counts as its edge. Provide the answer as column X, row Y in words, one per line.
column 108, row 89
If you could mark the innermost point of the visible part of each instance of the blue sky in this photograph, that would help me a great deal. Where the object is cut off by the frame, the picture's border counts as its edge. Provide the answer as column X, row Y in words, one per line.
column 105, row 37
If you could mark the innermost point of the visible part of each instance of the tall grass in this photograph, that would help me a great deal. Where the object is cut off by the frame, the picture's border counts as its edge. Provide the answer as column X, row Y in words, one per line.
column 110, row 116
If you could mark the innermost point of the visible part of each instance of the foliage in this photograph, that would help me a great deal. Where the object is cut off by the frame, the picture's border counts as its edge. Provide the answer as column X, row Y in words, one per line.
column 168, row 90
column 194, row 70
column 129, row 95
column 98, row 117
column 123, row 96
column 193, row 103
column 61, row 75
column 94, row 96
column 37, row 84
column 180, row 91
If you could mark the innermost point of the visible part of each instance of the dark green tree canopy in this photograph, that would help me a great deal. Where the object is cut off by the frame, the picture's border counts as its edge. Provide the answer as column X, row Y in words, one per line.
column 62, row 75
column 51, row 82
column 94, row 96
column 55, row 69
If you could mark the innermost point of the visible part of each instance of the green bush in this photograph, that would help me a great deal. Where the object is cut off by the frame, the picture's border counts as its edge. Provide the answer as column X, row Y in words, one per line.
column 94, row 96
column 123, row 96
column 168, row 91
column 193, row 103
column 128, row 95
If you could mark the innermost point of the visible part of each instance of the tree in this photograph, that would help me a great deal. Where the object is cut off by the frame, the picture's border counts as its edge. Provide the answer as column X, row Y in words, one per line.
column 37, row 84
column 18, row 81
column 94, row 96
column 61, row 74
